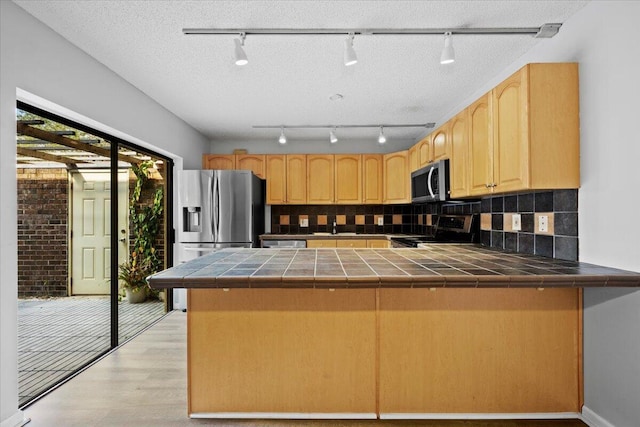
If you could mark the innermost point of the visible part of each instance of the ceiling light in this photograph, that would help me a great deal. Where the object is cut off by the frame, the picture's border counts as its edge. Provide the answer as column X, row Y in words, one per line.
column 283, row 138
column 332, row 136
column 239, row 53
column 381, row 138
column 448, row 56
column 350, row 57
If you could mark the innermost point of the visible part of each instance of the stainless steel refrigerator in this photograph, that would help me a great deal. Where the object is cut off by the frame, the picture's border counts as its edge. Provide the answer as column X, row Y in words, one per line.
column 218, row 209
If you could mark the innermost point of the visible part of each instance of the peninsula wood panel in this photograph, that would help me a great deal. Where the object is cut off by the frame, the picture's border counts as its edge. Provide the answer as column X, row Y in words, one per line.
column 282, row 350
column 480, row 350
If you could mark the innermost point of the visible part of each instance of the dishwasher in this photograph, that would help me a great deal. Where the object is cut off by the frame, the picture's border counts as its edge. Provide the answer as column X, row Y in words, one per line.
column 281, row 244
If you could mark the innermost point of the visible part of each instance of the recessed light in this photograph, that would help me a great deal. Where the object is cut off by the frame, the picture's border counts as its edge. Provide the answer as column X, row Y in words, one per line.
column 336, row 97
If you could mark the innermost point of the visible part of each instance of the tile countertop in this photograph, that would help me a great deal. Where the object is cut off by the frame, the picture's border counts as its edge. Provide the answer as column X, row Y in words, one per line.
column 433, row 265
column 338, row 236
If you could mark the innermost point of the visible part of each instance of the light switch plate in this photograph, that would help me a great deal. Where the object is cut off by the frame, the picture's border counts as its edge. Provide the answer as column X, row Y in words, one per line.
column 380, row 220
column 543, row 223
column 304, row 222
column 516, row 222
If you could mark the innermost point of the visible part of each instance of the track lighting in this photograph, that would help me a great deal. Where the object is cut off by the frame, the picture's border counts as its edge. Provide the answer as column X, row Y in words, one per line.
column 448, row 55
column 283, row 138
column 332, row 136
column 350, row 57
column 381, row 138
column 239, row 53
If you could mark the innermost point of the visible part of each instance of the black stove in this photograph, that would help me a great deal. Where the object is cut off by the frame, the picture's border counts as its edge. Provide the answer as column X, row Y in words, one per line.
column 449, row 229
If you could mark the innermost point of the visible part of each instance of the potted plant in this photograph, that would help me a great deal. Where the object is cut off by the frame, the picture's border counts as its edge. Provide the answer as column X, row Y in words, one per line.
column 133, row 276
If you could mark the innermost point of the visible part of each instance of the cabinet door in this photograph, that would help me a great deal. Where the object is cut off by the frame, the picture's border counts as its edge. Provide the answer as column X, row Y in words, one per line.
column 351, row 243
column 372, row 178
column 414, row 158
column 480, row 167
column 276, row 171
column 296, row 179
column 321, row 243
column 348, row 178
column 218, row 161
column 378, row 243
column 252, row 162
column 424, row 149
column 510, row 133
column 397, row 178
column 320, row 179
column 440, row 143
column 459, row 138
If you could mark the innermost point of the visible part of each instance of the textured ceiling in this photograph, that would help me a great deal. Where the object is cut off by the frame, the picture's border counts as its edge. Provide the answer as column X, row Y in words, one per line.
column 289, row 79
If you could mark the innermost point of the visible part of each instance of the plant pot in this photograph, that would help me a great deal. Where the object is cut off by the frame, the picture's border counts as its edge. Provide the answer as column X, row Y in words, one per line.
column 136, row 296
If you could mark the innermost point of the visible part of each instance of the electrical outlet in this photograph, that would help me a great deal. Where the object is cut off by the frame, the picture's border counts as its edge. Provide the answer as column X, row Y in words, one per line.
column 304, row 222
column 543, row 223
column 516, row 222
column 380, row 220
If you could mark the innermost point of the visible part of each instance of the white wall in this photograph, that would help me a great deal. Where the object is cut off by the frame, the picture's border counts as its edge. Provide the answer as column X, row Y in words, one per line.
column 320, row 146
column 36, row 60
column 604, row 39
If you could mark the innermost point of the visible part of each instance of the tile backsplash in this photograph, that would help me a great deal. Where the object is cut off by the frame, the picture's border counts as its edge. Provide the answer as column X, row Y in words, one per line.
column 496, row 215
column 559, row 206
column 286, row 219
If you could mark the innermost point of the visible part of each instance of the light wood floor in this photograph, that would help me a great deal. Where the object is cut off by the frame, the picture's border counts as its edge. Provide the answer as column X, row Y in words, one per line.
column 143, row 383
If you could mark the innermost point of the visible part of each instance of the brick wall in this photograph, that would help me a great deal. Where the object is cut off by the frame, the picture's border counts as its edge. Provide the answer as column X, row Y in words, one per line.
column 43, row 212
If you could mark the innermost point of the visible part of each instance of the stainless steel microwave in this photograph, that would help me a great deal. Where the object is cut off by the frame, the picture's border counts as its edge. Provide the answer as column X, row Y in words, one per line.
column 431, row 183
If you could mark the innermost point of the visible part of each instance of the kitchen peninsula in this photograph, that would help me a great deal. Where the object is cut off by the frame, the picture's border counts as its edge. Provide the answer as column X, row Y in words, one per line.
column 389, row 333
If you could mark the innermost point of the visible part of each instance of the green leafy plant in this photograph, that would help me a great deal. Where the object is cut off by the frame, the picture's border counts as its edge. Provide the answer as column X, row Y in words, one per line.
column 145, row 220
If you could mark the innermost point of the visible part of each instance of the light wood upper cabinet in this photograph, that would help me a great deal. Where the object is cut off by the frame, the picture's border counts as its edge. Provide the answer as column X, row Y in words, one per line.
column 296, row 179
column 276, row 175
column 218, row 161
column 397, row 188
column 424, row 150
column 372, row 178
column 480, row 166
column 536, row 133
column 320, row 176
column 414, row 158
column 348, row 178
column 440, row 143
column 458, row 164
column 252, row 162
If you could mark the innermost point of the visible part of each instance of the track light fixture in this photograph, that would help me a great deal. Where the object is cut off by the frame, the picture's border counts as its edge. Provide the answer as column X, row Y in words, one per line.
column 381, row 138
column 448, row 55
column 332, row 136
column 350, row 57
column 283, row 138
column 239, row 53
column 332, row 129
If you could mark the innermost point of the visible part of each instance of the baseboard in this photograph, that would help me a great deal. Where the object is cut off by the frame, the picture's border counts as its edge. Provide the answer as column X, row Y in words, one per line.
column 15, row 420
column 287, row 415
column 594, row 420
column 480, row 416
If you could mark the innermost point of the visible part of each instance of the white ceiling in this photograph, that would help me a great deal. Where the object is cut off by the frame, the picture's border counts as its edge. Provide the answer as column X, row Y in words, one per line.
column 289, row 79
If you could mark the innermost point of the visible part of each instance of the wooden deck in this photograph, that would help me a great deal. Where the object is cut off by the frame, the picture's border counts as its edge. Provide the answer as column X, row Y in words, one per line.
column 57, row 336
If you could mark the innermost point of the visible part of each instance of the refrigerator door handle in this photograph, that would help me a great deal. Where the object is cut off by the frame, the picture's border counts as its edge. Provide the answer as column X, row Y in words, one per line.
column 216, row 211
column 210, row 198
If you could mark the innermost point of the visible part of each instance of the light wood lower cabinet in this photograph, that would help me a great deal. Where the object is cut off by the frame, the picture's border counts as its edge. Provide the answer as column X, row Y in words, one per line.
column 351, row 243
column 322, row 243
column 378, row 243
column 401, row 351
column 282, row 351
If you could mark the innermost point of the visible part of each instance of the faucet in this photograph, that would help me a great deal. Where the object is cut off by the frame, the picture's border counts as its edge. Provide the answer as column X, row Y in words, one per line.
column 334, row 228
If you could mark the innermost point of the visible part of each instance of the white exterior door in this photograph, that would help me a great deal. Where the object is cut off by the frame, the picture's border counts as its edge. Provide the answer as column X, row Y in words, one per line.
column 91, row 230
